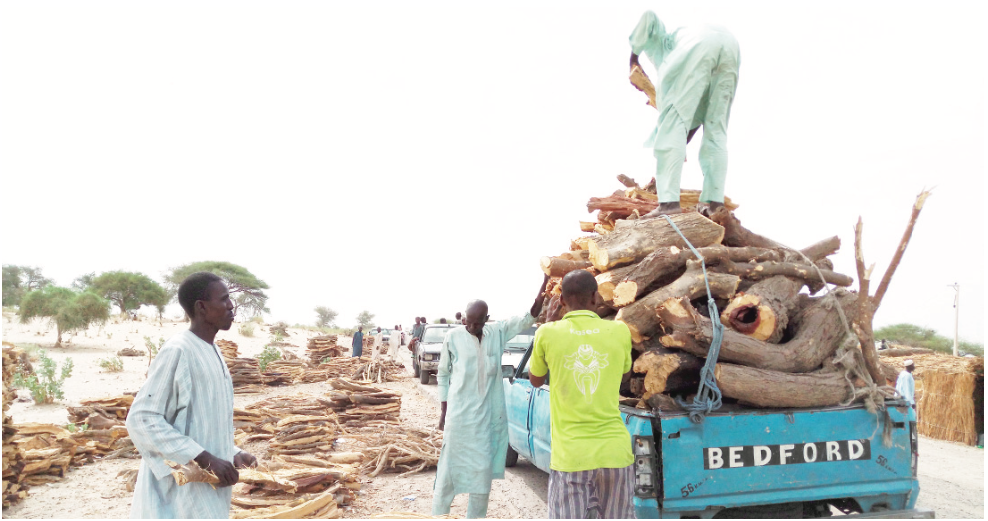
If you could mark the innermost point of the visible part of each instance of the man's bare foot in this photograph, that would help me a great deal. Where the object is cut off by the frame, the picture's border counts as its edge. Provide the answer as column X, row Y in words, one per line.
column 671, row 208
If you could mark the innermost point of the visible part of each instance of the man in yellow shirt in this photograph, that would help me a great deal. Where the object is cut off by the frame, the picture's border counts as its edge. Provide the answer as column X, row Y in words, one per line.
column 592, row 465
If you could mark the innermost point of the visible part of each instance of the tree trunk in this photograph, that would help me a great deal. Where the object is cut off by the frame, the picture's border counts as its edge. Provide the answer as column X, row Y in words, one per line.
column 668, row 371
column 558, row 266
column 58, row 340
column 667, row 260
column 763, row 312
column 818, row 334
column 631, row 241
column 764, row 388
column 641, row 318
column 764, row 270
column 737, row 235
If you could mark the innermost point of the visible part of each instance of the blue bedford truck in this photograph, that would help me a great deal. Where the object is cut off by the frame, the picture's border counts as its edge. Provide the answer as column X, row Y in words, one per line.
column 742, row 463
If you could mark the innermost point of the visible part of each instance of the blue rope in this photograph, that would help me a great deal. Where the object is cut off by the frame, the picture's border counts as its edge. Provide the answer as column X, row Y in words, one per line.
column 708, row 397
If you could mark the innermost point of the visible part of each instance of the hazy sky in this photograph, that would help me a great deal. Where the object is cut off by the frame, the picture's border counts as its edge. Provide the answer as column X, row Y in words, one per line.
column 406, row 157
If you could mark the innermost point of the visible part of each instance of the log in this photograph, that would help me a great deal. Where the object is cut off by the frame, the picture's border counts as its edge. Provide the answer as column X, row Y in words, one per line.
column 627, row 181
column 763, row 270
column 631, row 241
column 818, row 334
column 765, row 388
column 904, row 351
column 737, row 235
column 558, row 266
column 586, row 226
column 579, row 255
column 641, row 318
column 668, row 371
column 667, row 260
column 641, row 82
column 662, row 402
column 607, row 281
column 763, row 311
column 621, row 205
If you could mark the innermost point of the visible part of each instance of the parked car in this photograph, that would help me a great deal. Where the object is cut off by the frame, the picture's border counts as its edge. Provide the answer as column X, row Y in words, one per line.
column 425, row 359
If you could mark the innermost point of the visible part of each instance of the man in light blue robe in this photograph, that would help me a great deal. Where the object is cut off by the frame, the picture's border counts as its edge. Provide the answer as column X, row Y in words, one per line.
column 184, row 413
column 473, row 415
column 697, row 69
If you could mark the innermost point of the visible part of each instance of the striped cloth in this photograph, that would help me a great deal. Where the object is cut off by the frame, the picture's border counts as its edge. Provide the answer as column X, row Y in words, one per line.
column 609, row 491
column 184, row 407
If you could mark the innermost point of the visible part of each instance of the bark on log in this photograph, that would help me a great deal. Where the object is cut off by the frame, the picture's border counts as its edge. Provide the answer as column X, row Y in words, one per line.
column 818, row 334
column 579, row 255
column 765, row 388
column 627, row 181
column 668, row 371
column 737, row 235
column 641, row 317
column 763, row 312
column 631, row 241
column 665, row 261
column 558, row 266
column 764, row 270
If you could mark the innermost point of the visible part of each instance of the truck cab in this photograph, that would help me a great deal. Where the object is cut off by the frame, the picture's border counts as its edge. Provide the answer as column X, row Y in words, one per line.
column 743, row 462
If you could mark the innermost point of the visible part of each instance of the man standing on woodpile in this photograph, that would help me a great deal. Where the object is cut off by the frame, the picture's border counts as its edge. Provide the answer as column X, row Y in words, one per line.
column 358, row 341
column 476, row 442
column 697, row 76
column 592, row 466
column 184, row 412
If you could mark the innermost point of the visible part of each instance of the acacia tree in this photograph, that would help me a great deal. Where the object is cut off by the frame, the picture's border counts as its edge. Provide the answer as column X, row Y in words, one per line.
column 83, row 282
column 325, row 316
column 129, row 290
column 245, row 288
column 365, row 319
column 18, row 280
column 67, row 309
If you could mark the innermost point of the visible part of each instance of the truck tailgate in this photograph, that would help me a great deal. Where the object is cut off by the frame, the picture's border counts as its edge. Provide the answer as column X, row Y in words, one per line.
column 762, row 457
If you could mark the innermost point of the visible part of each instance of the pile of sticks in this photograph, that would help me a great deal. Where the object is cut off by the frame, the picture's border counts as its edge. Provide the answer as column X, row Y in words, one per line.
column 321, row 347
column 228, row 348
column 357, row 403
column 101, row 414
column 13, row 456
column 376, row 370
column 780, row 348
column 283, row 372
column 406, row 449
column 246, row 375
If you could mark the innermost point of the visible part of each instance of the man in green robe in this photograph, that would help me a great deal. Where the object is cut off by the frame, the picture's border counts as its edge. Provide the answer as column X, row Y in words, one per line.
column 473, row 415
column 697, row 76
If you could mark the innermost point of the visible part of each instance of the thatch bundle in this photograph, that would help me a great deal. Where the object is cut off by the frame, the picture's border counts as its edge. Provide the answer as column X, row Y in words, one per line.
column 946, row 411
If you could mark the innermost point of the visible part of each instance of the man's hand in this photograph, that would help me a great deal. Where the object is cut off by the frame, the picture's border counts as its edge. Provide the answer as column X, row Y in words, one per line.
column 442, row 416
column 537, row 305
column 223, row 469
column 634, row 63
column 244, row 459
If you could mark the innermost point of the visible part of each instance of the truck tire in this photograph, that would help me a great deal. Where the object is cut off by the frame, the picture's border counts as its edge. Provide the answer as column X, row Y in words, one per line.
column 424, row 376
column 512, row 458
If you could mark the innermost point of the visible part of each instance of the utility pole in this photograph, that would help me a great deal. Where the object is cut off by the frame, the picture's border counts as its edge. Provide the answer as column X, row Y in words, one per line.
column 957, row 311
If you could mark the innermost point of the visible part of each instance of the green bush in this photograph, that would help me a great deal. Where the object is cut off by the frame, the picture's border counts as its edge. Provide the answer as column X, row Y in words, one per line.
column 246, row 329
column 916, row 336
column 111, row 365
column 270, row 354
column 45, row 387
column 257, row 319
column 152, row 347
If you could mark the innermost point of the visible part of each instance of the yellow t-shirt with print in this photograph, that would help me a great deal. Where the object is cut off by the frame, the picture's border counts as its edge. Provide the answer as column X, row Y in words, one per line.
column 585, row 357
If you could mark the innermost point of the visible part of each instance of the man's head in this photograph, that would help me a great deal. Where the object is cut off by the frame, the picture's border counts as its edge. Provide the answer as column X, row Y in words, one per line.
column 442, row 320
column 417, row 321
column 476, row 317
column 459, row 316
column 578, row 290
column 378, row 329
column 910, row 366
column 360, row 328
column 206, row 300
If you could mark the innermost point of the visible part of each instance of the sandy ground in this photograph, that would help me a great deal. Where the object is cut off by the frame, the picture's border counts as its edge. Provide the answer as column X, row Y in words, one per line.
column 951, row 475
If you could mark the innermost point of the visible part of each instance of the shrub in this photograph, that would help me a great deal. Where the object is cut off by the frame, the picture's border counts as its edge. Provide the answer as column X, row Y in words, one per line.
column 257, row 319
column 112, row 365
column 45, row 387
column 246, row 329
column 270, row 354
column 152, row 347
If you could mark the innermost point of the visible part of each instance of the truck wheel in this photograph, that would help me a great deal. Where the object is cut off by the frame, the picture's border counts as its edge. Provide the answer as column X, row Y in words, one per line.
column 415, row 367
column 424, row 376
column 512, row 457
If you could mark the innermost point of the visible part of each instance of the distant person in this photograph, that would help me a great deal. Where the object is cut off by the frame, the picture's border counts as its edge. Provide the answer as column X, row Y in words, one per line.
column 475, row 442
column 416, row 333
column 394, row 342
column 459, row 318
column 442, row 320
column 905, row 385
column 378, row 338
column 697, row 77
column 184, row 413
column 591, row 466
column 358, row 342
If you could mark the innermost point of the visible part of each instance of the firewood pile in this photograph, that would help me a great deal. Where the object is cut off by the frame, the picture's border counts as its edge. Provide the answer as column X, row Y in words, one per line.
column 357, row 404
column 101, row 414
column 130, row 351
column 283, row 372
column 407, row 450
column 13, row 456
column 780, row 348
column 279, row 329
column 246, row 375
column 365, row 368
column 321, row 347
column 228, row 348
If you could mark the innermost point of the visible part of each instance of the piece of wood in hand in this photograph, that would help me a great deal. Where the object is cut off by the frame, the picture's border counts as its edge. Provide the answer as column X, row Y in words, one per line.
column 642, row 83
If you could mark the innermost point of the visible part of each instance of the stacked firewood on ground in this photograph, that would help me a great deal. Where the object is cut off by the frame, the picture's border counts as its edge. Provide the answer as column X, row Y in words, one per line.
column 13, row 456
column 950, row 392
column 101, row 429
column 375, row 370
column 321, row 347
column 781, row 347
